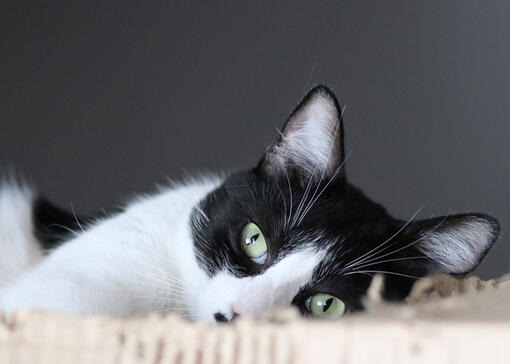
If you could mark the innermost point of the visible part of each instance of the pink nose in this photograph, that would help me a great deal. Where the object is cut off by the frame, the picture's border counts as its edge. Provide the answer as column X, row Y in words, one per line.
column 236, row 309
column 255, row 298
column 248, row 306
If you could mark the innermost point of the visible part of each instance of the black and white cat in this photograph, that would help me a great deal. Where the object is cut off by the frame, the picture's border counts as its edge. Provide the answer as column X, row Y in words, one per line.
column 291, row 230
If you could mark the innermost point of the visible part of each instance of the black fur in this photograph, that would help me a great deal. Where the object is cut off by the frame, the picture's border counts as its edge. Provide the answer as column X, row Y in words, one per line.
column 53, row 225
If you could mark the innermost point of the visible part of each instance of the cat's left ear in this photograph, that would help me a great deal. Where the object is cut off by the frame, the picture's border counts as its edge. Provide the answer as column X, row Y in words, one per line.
column 454, row 244
column 311, row 142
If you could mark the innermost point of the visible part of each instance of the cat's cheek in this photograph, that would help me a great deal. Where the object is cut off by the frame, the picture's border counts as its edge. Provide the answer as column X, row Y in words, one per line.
column 255, row 298
column 227, row 295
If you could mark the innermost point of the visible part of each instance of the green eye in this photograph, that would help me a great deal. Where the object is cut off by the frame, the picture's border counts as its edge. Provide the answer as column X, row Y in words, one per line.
column 253, row 243
column 325, row 305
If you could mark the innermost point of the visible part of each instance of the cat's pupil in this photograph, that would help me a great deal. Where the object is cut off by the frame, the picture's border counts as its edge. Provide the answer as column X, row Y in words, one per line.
column 252, row 239
column 327, row 304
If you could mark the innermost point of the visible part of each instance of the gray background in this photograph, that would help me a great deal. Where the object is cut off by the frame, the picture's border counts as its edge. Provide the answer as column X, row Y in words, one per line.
column 101, row 100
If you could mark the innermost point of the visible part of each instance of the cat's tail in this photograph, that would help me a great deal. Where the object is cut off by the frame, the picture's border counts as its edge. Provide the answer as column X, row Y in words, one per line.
column 30, row 226
column 19, row 247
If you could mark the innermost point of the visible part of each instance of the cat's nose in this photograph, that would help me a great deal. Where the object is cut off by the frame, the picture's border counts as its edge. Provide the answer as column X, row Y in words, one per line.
column 236, row 311
column 221, row 317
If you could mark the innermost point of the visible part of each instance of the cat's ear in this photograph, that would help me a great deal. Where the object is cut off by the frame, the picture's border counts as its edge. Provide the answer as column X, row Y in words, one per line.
column 311, row 142
column 455, row 244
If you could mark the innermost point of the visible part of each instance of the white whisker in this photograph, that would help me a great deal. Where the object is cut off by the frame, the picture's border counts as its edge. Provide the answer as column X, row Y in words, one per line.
column 291, row 197
column 327, row 184
column 76, row 218
column 388, row 261
column 417, row 240
column 306, row 209
column 382, row 272
column 365, row 257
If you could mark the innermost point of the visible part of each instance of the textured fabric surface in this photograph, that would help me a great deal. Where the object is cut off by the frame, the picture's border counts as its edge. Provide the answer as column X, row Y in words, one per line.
column 447, row 321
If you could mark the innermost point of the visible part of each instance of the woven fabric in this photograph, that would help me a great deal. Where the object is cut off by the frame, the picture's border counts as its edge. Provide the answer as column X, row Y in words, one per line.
column 469, row 322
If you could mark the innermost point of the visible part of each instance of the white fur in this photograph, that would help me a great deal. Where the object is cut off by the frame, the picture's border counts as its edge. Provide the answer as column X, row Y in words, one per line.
column 460, row 247
column 136, row 262
column 18, row 245
column 277, row 286
column 139, row 261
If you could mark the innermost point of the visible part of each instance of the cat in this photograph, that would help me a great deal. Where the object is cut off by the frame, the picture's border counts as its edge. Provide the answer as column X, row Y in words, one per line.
column 289, row 231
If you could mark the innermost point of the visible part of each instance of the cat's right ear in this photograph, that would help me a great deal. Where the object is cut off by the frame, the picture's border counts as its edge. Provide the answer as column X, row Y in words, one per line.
column 311, row 142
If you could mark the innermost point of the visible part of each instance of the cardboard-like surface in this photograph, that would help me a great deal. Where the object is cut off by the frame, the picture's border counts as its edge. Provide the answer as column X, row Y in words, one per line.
column 447, row 322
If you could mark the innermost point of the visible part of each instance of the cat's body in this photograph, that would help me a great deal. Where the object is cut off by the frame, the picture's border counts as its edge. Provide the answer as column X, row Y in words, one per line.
column 132, row 262
column 290, row 231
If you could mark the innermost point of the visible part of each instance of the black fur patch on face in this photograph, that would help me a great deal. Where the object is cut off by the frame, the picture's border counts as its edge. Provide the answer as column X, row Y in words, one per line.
column 297, row 205
column 343, row 222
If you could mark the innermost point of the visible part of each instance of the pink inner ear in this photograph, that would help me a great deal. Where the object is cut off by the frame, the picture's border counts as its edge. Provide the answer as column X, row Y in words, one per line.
column 256, row 298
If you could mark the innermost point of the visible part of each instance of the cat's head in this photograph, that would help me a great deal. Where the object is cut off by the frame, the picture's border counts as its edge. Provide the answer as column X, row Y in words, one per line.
column 293, row 230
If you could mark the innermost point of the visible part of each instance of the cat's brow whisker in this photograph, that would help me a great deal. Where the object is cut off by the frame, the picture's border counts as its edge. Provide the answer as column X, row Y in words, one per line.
column 307, row 190
column 417, row 240
column 336, row 127
column 301, row 206
column 305, row 210
column 382, row 272
column 284, row 205
column 372, row 252
column 326, row 186
column 389, row 261
column 304, row 197
column 291, row 199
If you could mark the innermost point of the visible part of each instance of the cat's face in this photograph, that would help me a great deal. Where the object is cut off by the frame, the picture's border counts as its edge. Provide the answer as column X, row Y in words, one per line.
column 292, row 230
